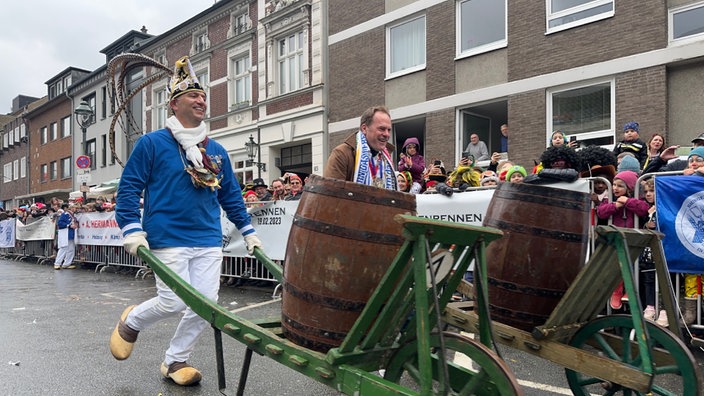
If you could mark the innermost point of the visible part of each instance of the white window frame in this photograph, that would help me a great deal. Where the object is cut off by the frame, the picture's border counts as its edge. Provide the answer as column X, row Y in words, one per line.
column 7, row 173
column 43, row 135
column 53, row 131
column 588, row 5
column 480, row 49
column 239, row 23
column 609, row 132
column 54, row 170
column 44, row 176
column 23, row 167
column 671, row 24
column 296, row 59
column 66, row 167
column 161, row 106
column 23, row 131
column 245, row 76
column 66, row 127
column 17, row 134
column 200, row 41
column 15, row 169
column 6, row 140
column 389, row 48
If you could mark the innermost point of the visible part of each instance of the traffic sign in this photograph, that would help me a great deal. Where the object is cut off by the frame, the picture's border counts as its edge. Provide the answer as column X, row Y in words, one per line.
column 83, row 161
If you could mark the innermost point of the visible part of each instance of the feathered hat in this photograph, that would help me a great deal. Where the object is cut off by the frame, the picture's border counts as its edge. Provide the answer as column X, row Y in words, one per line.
column 184, row 79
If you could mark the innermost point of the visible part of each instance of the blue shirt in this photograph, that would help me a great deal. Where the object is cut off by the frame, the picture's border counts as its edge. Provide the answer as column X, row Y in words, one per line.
column 176, row 213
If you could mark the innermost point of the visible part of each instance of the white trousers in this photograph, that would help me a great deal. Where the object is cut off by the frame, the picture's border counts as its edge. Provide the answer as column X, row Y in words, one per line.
column 200, row 267
column 65, row 256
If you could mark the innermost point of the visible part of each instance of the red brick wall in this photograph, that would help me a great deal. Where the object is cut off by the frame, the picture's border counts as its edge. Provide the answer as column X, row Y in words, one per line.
column 289, row 103
column 54, row 150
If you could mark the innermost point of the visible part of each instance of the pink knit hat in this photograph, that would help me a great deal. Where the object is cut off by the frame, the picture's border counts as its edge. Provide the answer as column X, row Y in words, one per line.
column 628, row 177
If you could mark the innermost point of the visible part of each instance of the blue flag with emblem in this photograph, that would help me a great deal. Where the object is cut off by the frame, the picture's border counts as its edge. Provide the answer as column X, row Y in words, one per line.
column 679, row 203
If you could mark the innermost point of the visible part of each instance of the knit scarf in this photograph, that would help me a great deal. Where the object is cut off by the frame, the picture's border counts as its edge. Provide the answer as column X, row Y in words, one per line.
column 188, row 138
column 367, row 168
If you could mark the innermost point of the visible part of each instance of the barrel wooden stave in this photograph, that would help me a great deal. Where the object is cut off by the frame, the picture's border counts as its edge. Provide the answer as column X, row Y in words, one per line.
column 342, row 241
column 541, row 253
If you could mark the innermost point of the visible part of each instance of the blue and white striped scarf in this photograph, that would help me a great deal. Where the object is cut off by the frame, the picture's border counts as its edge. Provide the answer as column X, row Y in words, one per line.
column 363, row 170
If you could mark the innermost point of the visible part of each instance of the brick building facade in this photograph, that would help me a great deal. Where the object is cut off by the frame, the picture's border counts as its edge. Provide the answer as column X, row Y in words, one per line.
column 585, row 70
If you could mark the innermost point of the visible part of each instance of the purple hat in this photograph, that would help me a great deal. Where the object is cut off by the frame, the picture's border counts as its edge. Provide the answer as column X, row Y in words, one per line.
column 628, row 177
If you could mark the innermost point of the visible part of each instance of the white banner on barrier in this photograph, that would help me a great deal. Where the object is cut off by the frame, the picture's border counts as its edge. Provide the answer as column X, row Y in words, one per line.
column 272, row 221
column 7, row 233
column 466, row 207
column 95, row 228
column 39, row 230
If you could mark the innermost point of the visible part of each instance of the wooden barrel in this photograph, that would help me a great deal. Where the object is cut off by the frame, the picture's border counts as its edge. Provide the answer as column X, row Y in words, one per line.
column 342, row 241
column 543, row 249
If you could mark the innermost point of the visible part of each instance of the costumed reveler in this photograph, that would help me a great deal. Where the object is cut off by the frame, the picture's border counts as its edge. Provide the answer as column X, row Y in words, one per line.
column 185, row 178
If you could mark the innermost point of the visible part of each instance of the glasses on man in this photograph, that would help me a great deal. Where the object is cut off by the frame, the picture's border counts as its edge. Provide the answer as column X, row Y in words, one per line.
column 698, row 160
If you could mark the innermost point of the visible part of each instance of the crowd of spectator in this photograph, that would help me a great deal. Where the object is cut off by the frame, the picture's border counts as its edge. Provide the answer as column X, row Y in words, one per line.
column 29, row 213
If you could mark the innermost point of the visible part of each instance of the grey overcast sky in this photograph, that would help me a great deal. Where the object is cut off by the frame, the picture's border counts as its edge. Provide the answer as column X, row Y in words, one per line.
column 41, row 38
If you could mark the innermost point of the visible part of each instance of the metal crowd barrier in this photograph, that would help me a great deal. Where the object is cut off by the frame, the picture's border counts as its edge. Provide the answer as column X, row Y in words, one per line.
column 104, row 257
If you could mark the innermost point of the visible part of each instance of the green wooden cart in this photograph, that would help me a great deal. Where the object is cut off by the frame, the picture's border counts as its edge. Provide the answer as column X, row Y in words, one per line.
column 402, row 330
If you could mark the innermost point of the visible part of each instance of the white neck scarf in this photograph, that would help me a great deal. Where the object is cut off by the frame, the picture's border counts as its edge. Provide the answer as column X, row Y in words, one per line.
column 188, row 138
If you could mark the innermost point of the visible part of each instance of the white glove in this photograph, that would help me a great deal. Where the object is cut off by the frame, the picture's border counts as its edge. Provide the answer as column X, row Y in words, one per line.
column 135, row 240
column 251, row 241
column 194, row 155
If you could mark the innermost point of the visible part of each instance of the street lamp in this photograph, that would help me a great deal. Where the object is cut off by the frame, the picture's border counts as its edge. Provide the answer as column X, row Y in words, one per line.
column 252, row 149
column 84, row 117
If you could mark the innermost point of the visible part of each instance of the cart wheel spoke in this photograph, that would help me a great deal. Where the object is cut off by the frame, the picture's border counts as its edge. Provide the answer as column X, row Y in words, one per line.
column 676, row 371
column 493, row 376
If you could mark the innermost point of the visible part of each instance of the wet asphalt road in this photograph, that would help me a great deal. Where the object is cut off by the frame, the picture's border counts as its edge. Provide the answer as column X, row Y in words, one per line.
column 55, row 327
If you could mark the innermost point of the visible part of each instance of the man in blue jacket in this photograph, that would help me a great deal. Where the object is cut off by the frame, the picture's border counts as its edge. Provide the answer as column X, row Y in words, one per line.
column 186, row 178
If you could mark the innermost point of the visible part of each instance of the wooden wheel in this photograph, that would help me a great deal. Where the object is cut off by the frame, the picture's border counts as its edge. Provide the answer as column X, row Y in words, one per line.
column 492, row 377
column 675, row 372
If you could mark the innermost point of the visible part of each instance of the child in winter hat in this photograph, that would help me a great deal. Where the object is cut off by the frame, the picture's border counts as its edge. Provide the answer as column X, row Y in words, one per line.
column 516, row 174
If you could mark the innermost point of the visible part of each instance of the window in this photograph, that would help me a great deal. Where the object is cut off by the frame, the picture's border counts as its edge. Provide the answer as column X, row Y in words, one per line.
column 17, row 134
column 45, row 173
column 5, row 140
column 687, row 22
column 7, row 172
column 585, row 111
column 90, row 99
column 162, row 107
column 565, row 14
column 66, row 168
column 243, row 80
column 23, row 167
column 405, row 47
column 481, row 26
column 200, row 42
column 103, row 102
column 103, row 150
column 296, row 155
column 43, row 135
column 291, row 62
column 15, row 169
column 90, row 152
column 203, row 80
column 53, row 131
column 53, row 170
column 240, row 24
column 23, row 131
column 66, row 127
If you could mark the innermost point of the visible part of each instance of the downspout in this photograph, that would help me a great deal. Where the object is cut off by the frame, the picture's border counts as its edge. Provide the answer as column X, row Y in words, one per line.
column 326, row 90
